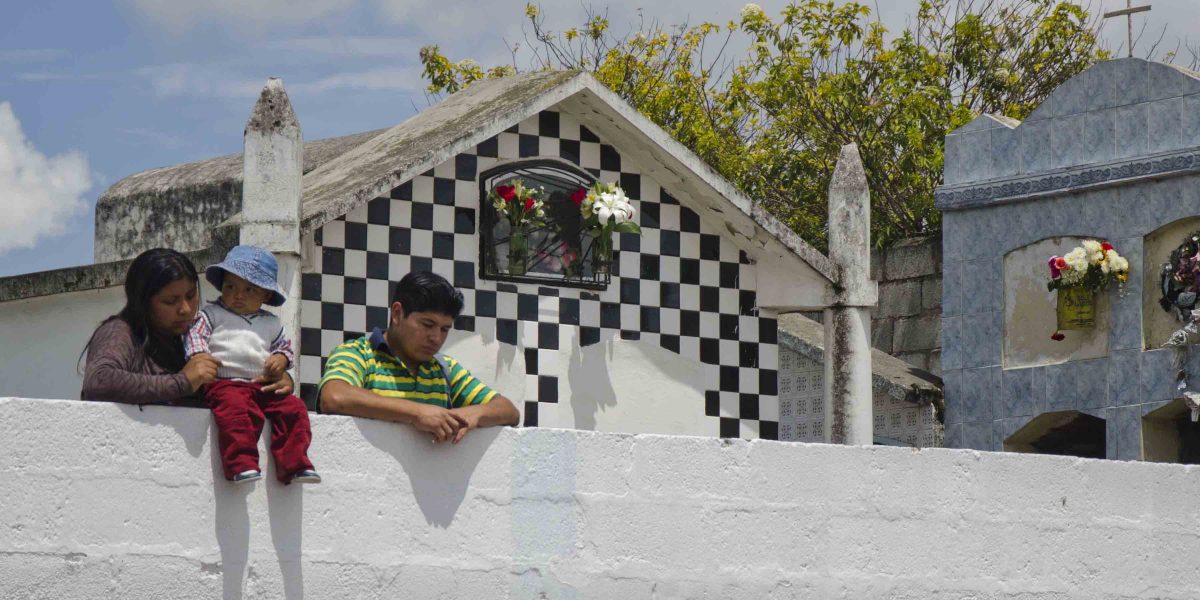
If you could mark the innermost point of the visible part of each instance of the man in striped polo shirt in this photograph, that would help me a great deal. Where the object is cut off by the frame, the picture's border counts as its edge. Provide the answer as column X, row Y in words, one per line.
column 397, row 375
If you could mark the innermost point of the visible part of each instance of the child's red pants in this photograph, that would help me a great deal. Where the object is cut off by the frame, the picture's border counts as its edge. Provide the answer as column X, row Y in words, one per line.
column 239, row 408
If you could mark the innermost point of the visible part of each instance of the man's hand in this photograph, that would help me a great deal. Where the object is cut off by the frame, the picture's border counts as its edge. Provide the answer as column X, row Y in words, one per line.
column 442, row 423
column 469, row 420
column 201, row 369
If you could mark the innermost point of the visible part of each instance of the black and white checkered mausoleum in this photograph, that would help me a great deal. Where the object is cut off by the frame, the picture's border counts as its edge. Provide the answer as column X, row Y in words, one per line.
column 682, row 335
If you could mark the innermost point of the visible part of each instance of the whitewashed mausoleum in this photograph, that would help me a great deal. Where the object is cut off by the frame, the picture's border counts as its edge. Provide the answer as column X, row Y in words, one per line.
column 680, row 337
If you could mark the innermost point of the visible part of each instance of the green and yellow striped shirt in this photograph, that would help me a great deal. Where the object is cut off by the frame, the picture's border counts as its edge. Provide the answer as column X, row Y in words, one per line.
column 367, row 363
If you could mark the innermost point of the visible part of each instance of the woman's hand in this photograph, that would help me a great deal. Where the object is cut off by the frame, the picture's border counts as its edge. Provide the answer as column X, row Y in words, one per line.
column 201, row 369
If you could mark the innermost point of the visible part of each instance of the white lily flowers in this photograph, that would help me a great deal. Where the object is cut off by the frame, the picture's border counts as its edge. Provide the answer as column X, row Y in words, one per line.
column 613, row 204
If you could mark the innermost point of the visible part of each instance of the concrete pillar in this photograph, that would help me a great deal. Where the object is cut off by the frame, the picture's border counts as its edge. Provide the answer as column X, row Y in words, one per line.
column 271, row 172
column 848, row 401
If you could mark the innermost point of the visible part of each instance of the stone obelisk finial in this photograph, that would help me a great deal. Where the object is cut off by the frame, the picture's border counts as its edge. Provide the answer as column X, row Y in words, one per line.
column 848, row 405
column 271, row 193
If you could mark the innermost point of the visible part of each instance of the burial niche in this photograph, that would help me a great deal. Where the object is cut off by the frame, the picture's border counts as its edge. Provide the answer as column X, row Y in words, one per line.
column 1159, row 319
column 1170, row 435
column 1064, row 433
column 1030, row 310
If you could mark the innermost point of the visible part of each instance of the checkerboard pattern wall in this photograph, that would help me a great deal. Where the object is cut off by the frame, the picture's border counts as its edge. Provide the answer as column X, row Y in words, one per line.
column 679, row 285
column 802, row 407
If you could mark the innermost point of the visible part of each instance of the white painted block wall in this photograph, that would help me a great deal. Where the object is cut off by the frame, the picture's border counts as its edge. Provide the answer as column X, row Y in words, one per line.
column 41, row 340
column 106, row 501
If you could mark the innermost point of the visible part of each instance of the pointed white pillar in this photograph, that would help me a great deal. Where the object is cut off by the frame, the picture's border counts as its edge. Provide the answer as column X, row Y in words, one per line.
column 271, row 172
column 848, row 396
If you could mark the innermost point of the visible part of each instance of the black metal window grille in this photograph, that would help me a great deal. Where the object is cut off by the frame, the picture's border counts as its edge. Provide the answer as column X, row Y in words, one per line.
column 559, row 251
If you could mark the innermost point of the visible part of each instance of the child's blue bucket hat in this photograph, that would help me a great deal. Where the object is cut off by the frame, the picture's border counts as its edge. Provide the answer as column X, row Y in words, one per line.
column 252, row 264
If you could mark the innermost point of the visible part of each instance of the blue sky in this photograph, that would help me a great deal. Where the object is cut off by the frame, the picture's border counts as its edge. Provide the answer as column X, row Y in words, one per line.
column 91, row 92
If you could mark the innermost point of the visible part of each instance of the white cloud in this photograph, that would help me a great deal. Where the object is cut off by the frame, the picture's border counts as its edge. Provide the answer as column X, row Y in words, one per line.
column 462, row 22
column 210, row 81
column 32, row 55
column 398, row 79
column 349, row 46
column 245, row 15
column 38, row 194
column 43, row 76
column 143, row 135
column 199, row 81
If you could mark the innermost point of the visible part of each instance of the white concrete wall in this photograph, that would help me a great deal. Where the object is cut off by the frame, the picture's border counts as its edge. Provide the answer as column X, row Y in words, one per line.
column 41, row 338
column 104, row 501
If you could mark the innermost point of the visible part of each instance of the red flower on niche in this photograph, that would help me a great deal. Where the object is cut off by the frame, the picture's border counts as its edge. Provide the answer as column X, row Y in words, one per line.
column 578, row 196
column 528, row 203
column 1058, row 337
column 1105, row 246
column 507, row 192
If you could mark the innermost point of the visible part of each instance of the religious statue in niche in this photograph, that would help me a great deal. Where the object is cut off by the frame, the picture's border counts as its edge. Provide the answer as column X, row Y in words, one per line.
column 1179, row 283
column 1077, row 276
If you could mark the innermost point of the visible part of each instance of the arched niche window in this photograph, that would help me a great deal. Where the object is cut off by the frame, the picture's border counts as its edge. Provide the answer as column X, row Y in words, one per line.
column 559, row 251
column 1170, row 435
column 1065, row 433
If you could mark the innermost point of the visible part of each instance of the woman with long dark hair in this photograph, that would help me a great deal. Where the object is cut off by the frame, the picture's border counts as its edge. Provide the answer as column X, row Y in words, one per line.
column 136, row 355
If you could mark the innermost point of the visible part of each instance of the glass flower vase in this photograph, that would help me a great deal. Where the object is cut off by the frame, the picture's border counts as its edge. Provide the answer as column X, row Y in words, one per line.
column 602, row 255
column 518, row 251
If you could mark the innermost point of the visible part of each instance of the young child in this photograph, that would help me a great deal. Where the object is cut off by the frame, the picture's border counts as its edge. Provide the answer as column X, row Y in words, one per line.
column 250, row 342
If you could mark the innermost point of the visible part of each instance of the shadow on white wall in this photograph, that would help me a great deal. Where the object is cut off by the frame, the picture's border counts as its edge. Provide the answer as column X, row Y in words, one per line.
column 438, row 479
column 633, row 386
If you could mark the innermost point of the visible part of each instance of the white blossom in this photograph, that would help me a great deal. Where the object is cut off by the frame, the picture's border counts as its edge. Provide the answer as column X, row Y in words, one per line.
column 615, row 205
column 1077, row 260
column 752, row 10
column 1117, row 263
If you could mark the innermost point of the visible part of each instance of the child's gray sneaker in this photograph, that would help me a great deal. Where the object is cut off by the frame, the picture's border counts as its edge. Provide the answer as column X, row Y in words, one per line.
column 305, row 476
column 247, row 476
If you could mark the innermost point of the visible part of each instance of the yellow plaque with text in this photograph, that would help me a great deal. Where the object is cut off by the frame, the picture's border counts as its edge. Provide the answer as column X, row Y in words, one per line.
column 1076, row 308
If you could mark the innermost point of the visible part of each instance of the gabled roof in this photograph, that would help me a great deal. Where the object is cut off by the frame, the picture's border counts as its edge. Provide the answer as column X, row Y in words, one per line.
column 487, row 108
column 221, row 168
column 343, row 173
column 893, row 376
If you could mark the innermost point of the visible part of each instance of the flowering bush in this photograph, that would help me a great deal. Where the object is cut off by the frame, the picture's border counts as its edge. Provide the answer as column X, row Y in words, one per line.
column 1092, row 265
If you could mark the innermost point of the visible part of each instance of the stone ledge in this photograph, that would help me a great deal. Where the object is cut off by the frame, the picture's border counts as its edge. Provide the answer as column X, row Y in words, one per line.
column 77, row 279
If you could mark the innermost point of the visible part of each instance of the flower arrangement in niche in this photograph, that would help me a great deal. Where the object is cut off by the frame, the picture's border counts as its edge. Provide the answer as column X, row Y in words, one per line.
column 1077, row 276
column 1180, row 279
column 605, row 210
column 1179, row 283
column 524, row 209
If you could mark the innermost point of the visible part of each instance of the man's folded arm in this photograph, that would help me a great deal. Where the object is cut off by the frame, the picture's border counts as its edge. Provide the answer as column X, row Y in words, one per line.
column 498, row 411
column 341, row 398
